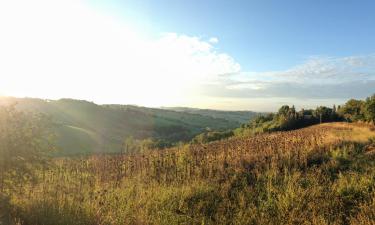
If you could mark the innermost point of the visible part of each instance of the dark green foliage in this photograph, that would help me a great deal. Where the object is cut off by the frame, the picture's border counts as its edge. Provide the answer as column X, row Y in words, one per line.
column 287, row 118
column 324, row 114
column 358, row 110
column 353, row 110
column 370, row 109
column 261, row 120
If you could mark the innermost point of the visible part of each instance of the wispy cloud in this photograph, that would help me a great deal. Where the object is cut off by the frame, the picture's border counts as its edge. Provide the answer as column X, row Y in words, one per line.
column 333, row 69
column 318, row 77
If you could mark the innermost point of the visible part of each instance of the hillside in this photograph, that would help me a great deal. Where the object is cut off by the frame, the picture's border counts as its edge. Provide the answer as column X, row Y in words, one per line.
column 239, row 116
column 323, row 174
column 85, row 127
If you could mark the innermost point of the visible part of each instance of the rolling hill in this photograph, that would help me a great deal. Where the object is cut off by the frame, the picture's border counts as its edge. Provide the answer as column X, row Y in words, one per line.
column 239, row 116
column 86, row 127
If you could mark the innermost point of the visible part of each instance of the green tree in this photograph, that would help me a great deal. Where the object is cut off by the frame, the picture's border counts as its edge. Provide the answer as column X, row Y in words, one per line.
column 283, row 111
column 293, row 112
column 353, row 110
column 334, row 113
column 370, row 109
column 25, row 143
column 323, row 114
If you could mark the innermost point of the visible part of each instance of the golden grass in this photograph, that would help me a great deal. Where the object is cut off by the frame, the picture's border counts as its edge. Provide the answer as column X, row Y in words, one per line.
column 355, row 132
column 315, row 175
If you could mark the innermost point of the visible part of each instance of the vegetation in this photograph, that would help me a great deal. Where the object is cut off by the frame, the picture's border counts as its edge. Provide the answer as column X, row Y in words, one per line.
column 25, row 144
column 287, row 118
column 358, row 110
column 209, row 136
column 239, row 116
column 85, row 128
column 322, row 174
column 133, row 146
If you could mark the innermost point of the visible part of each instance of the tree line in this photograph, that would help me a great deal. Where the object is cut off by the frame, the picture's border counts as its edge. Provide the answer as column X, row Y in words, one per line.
column 288, row 118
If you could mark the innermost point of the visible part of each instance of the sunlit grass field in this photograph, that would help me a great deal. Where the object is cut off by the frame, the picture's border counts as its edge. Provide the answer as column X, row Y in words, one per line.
column 323, row 174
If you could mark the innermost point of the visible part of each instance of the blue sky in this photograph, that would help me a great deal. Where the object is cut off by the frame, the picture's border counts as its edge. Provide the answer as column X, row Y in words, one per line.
column 262, row 35
column 232, row 55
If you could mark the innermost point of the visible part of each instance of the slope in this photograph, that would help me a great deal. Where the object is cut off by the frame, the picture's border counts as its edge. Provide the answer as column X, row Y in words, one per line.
column 237, row 116
column 322, row 173
column 85, row 127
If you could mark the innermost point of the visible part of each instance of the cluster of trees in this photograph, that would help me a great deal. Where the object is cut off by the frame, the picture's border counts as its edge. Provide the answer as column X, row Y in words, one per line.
column 359, row 110
column 288, row 118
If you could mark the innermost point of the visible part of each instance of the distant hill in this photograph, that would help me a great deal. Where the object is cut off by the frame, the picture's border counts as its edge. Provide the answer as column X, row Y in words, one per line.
column 85, row 127
column 236, row 116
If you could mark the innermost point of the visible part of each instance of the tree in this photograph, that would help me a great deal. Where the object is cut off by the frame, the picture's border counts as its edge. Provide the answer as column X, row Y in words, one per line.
column 293, row 112
column 353, row 110
column 25, row 143
column 284, row 110
column 369, row 109
column 323, row 114
column 302, row 113
column 334, row 113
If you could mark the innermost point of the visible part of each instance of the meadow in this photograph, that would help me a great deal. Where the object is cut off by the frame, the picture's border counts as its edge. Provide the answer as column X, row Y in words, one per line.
column 323, row 174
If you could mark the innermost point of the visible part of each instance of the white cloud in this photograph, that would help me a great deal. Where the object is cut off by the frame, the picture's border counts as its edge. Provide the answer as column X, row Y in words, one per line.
column 55, row 49
column 318, row 78
column 331, row 69
column 213, row 40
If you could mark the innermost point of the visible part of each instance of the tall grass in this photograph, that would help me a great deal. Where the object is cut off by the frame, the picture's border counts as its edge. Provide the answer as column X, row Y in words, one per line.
column 317, row 175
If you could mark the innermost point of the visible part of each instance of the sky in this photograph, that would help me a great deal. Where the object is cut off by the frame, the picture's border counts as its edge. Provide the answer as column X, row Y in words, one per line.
column 231, row 55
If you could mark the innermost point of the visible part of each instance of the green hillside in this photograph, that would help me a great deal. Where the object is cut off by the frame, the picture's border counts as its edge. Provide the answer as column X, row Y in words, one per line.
column 238, row 116
column 85, row 127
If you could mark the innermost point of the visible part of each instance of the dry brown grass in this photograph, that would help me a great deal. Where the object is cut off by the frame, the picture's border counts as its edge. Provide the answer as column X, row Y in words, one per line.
column 315, row 175
column 356, row 132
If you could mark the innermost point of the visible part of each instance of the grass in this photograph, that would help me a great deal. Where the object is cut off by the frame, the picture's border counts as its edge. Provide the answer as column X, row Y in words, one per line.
column 317, row 175
column 360, row 133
